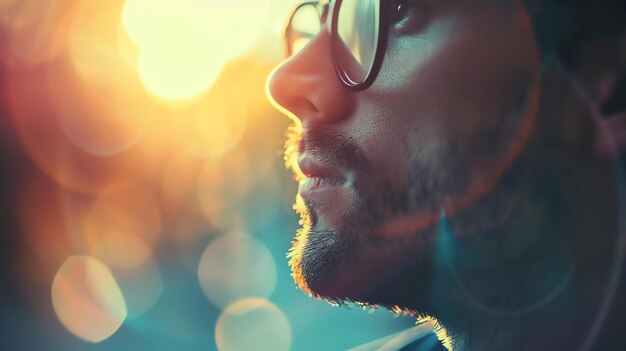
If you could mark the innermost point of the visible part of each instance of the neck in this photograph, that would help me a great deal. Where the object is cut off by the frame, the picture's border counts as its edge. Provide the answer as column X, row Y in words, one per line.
column 504, row 272
column 546, row 274
column 535, row 313
column 512, row 305
column 559, row 238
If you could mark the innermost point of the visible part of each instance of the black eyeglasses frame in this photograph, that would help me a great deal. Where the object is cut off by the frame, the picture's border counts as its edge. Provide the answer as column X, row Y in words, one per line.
column 336, row 41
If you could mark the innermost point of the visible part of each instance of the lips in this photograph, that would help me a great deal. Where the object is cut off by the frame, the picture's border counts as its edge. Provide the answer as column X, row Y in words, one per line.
column 319, row 176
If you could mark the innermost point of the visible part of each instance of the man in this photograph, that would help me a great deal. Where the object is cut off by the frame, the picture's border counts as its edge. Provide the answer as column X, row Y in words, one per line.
column 457, row 161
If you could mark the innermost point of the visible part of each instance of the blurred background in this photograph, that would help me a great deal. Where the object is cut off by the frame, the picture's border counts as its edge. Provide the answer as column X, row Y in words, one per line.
column 144, row 200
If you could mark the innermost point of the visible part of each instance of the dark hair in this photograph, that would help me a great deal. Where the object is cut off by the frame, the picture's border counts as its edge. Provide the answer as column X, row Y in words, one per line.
column 561, row 25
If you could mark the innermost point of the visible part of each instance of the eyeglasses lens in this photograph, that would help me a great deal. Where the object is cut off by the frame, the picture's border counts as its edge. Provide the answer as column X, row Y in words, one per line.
column 357, row 29
column 305, row 24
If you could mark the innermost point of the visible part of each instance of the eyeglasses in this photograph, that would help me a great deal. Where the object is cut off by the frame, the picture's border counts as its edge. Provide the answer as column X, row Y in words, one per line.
column 358, row 31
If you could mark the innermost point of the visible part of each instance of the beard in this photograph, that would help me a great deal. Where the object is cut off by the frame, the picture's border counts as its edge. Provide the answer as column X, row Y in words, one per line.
column 354, row 262
column 358, row 260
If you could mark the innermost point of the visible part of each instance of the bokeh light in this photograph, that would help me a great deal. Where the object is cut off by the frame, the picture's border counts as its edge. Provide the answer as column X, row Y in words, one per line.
column 98, row 99
column 140, row 144
column 87, row 299
column 42, row 222
column 46, row 144
column 38, row 29
column 246, row 269
column 97, row 125
column 193, row 73
column 121, row 249
column 133, row 265
column 221, row 183
column 259, row 213
column 184, row 44
column 253, row 324
column 178, row 182
column 127, row 210
column 142, row 286
column 216, row 126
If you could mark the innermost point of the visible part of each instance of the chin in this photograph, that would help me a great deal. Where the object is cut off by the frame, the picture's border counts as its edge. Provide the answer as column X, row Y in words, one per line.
column 357, row 266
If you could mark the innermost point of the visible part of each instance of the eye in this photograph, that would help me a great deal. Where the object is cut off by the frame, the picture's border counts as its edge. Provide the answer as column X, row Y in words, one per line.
column 407, row 15
column 400, row 10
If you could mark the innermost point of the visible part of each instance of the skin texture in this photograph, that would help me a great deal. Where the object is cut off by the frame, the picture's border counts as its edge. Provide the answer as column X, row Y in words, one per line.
column 457, row 201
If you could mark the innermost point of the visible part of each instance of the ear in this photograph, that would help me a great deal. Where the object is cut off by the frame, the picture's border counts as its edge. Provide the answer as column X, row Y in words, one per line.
column 610, row 131
column 612, row 140
column 610, row 124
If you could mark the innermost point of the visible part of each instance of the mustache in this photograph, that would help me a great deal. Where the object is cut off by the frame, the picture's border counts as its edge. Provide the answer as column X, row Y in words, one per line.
column 332, row 148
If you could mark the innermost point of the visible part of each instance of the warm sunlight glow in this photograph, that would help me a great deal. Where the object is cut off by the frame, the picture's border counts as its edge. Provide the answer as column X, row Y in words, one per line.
column 178, row 73
column 38, row 28
column 184, row 44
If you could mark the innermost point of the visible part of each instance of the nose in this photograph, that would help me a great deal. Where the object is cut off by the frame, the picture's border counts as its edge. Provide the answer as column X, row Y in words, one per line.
column 306, row 86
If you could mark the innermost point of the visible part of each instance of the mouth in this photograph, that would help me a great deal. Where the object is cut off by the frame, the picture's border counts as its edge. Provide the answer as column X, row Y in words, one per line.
column 309, row 186
column 319, row 177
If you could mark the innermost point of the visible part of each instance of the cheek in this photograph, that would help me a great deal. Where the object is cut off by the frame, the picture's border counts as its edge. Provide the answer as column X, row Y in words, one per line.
column 384, row 137
column 438, row 98
column 384, row 188
column 458, row 80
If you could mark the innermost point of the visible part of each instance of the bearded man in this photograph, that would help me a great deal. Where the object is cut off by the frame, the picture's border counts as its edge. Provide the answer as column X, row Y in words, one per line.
column 457, row 160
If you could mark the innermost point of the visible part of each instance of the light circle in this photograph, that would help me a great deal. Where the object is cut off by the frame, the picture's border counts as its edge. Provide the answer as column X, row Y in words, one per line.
column 184, row 44
column 253, row 324
column 87, row 299
column 236, row 266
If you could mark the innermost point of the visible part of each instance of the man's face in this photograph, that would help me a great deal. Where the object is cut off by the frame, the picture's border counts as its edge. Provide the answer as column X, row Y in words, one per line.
column 448, row 113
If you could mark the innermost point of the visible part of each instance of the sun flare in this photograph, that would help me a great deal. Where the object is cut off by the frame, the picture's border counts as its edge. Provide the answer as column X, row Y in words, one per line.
column 184, row 44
